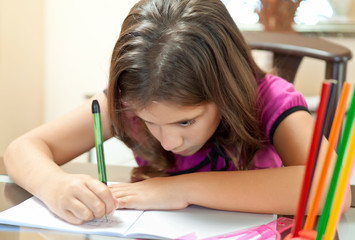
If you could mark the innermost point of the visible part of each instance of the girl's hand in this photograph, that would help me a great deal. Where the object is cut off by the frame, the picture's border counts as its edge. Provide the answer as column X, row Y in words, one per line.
column 78, row 198
column 154, row 193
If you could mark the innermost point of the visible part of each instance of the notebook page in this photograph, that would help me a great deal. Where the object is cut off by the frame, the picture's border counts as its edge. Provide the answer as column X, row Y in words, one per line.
column 204, row 222
column 33, row 213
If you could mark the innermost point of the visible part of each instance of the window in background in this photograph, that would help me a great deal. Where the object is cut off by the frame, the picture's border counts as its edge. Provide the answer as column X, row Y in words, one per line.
column 310, row 14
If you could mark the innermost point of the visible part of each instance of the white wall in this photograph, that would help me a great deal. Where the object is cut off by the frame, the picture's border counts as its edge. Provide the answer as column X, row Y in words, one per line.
column 79, row 37
column 21, row 68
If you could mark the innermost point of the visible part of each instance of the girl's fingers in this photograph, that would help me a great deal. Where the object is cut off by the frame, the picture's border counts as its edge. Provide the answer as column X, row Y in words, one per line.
column 103, row 193
column 76, row 213
column 118, row 192
column 94, row 201
column 120, row 186
column 80, row 198
column 123, row 196
column 71, row 218
column 121, row 189
column 128, row 202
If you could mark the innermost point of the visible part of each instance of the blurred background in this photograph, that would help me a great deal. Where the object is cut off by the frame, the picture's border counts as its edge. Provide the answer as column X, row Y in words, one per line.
column 55, row 53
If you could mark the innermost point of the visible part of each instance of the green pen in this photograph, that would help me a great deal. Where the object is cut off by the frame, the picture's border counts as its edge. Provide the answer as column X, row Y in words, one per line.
column 99, row 140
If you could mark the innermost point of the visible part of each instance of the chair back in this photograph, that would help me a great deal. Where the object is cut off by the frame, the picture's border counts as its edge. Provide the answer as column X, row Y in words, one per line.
column 289, row 50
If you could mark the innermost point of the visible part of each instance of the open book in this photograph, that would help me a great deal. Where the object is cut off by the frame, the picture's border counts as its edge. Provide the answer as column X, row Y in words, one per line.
column 202, row 222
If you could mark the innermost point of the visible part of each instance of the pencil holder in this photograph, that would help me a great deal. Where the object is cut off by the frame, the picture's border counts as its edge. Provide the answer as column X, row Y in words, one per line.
column 303, row 235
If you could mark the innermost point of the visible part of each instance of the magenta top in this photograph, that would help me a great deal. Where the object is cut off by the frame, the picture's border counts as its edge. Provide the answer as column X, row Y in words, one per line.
column 278, row 100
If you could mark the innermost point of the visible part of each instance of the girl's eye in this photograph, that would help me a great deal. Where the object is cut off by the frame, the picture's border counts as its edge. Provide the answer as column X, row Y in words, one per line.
column 187, row 123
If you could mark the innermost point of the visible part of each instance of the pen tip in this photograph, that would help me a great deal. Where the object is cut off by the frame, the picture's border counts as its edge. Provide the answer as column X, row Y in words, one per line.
column 95, row 106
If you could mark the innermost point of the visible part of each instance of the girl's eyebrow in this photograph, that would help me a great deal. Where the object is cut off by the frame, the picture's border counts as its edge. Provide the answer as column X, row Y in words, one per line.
column 177, row 122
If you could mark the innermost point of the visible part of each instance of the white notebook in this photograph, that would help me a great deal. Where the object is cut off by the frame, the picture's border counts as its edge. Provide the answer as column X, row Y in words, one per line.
column 170, row 224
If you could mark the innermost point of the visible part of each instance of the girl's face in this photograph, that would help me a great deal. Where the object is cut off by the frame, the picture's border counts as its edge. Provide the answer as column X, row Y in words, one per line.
column 181, row 129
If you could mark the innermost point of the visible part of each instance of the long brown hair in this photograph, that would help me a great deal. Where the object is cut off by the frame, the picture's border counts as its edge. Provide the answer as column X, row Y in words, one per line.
column 188, row 52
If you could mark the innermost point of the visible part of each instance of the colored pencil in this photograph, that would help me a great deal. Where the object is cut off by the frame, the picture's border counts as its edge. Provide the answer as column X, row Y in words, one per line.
column 99, row 141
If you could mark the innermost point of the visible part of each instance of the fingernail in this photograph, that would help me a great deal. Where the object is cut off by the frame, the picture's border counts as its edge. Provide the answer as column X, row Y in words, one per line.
column 116, row 203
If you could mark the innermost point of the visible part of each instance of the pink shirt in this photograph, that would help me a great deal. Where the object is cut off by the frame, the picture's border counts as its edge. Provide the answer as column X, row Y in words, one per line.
column 278, row 100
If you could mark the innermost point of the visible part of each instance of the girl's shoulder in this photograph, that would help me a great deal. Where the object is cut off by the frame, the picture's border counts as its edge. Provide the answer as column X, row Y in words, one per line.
column 277, row 99
column 272, row 85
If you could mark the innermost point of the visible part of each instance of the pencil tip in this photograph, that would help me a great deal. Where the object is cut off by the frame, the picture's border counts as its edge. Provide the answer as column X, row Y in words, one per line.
column 95, row 106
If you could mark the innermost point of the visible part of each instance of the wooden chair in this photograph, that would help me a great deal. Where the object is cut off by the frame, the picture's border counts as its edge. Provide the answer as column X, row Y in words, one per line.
column 289, row 50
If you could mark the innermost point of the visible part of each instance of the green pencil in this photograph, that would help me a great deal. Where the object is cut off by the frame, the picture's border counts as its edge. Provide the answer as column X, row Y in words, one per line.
column 99, row 141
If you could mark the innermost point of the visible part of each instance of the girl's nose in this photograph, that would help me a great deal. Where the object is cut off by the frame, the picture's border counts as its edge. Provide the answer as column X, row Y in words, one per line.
column 170, row 140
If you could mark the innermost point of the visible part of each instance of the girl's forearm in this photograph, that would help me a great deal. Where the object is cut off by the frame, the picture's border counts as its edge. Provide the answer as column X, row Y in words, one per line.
column 262, row 191
column 29, row 164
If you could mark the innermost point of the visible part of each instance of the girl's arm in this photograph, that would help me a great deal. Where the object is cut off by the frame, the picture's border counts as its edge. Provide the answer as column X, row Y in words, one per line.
column 32, row 161
column 264, row 191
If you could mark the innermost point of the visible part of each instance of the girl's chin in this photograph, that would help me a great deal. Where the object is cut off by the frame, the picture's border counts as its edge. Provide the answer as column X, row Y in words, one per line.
column 187, row 152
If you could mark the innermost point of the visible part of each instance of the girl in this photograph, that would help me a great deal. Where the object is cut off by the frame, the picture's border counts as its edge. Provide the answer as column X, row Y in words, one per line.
column 206, row 124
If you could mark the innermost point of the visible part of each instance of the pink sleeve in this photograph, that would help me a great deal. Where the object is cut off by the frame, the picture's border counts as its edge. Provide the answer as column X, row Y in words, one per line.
column 278, row 100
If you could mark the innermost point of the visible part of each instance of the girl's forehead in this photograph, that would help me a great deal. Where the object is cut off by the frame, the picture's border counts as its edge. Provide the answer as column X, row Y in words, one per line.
column 165, row 105
column 167, row 112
